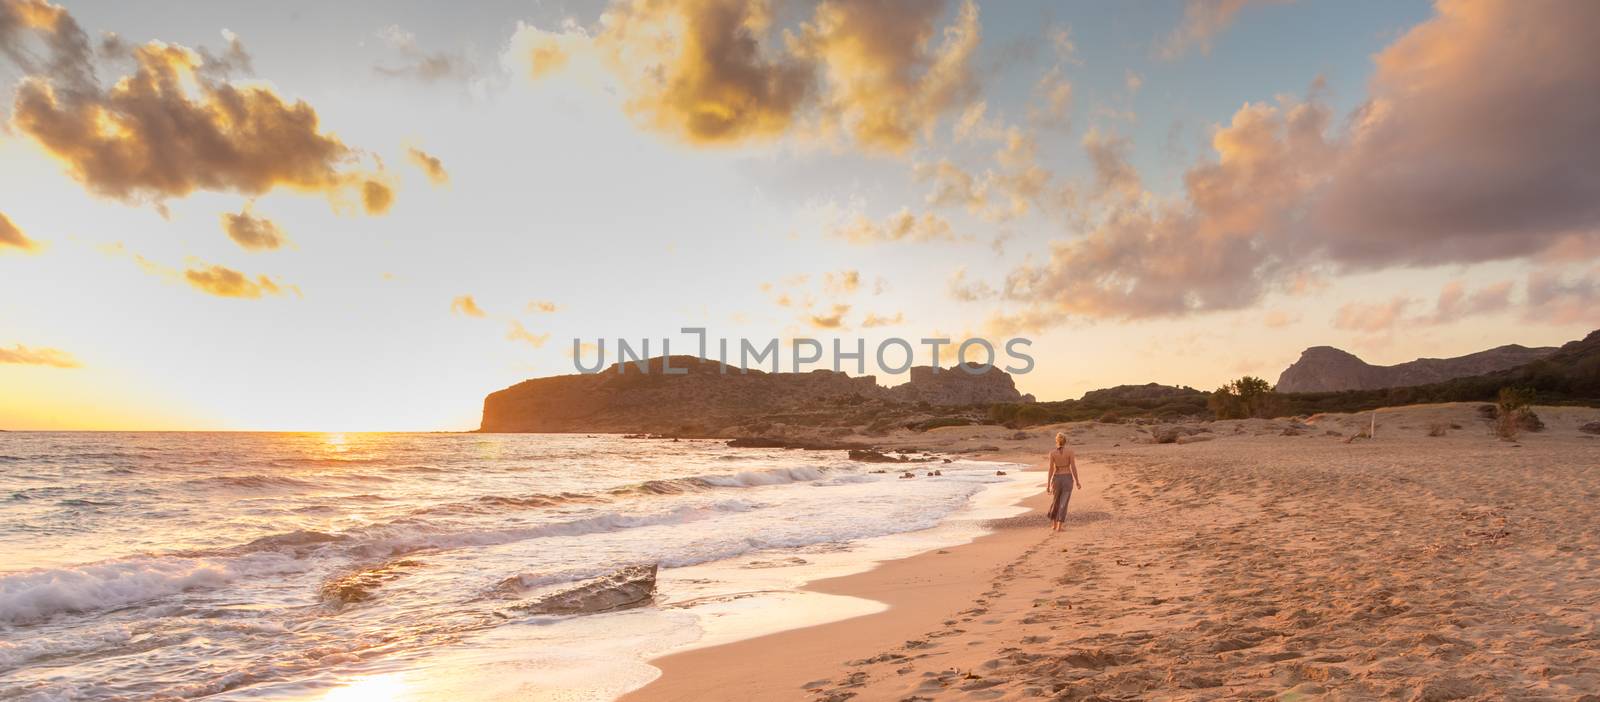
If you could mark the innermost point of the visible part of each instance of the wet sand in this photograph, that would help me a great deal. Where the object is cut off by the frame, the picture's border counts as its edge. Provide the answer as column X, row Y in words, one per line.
column 1257, row 559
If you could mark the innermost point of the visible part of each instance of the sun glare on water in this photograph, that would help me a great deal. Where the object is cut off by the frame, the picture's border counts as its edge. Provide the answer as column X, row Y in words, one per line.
column 336, row 442
column 389, row 687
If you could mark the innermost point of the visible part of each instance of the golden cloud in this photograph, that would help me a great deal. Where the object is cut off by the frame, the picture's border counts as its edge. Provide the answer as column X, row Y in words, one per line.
column 719, row 71
column 886, row 81
column 173, row 126
column 518, row 332
column 23, row 355
column 226, row 282
column 542, row 306
column 376, row 197
column 465, row 305
column 429, row 164
column 11, row 236
column 900, row 226
column 830, row 320
column 875, row 320
column 841, row 283
column 252, row 232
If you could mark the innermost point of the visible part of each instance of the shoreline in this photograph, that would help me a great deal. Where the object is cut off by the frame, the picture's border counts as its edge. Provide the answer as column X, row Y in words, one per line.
column 912, row 591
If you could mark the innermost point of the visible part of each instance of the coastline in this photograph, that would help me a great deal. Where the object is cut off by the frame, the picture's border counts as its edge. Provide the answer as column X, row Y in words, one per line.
column 1245, row 559
column 913, row 591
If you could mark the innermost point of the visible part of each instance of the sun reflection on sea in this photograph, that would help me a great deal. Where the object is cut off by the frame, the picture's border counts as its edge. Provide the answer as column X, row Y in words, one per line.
column 336, row 442
column 390, row 687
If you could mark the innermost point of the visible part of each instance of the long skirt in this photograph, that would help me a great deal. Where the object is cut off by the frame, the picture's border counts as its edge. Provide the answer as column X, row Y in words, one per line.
column 1058, row 506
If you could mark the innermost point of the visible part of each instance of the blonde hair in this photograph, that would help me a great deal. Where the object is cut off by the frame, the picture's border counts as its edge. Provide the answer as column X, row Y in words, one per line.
column 1061, row 439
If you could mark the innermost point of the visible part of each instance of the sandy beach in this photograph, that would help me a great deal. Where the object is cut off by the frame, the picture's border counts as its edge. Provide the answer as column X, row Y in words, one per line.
column 1247, row 559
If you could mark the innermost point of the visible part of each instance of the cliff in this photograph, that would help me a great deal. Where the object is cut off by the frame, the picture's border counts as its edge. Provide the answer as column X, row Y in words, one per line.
column 705, row 400
column 1327, row 369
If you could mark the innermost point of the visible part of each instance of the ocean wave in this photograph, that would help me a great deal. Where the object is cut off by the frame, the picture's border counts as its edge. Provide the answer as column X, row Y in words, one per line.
column 664, row 486
column 255, row 482
column 404, row 537
column 32, row 648
column 32, row 596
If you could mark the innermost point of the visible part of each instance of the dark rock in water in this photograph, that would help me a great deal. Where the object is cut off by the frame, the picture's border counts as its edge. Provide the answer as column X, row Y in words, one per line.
column 757, row 442
column 770, row 442
column 360, row 585
column 1590, row 428
column 999, row 472
column 633, row 586
column 874, row 456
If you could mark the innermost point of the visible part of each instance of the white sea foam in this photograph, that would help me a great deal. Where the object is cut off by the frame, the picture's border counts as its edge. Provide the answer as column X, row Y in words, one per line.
column 34, row 595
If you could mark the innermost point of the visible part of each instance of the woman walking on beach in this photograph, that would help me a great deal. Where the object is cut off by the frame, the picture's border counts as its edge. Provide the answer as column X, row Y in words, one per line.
column 1059, row 483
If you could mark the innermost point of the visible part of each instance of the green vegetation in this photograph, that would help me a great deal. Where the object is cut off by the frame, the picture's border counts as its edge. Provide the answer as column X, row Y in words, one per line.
column 1243, row 398
column 1513, row 413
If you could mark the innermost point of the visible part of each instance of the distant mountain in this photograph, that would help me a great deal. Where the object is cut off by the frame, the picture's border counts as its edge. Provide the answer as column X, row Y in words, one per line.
column 1569, row 375
column 707, row 400
column 1327, row 369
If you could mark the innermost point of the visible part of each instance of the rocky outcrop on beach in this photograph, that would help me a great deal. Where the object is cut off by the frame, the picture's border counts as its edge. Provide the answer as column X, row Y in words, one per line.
column 633, row 586
column 1327, row 369
column 956, row 386
column 706, row 398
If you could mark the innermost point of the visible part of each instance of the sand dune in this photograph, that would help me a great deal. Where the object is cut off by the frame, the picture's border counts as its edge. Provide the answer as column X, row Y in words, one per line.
column 1252, row 564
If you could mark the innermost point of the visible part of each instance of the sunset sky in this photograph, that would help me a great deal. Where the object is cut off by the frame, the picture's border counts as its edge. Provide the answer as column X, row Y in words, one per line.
column 365, row 216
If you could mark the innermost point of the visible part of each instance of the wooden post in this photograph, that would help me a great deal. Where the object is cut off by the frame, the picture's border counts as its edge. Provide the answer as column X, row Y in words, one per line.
column 1372, row 433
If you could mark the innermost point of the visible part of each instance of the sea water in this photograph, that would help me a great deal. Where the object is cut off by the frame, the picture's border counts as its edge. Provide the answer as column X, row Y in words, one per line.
column 391, row 566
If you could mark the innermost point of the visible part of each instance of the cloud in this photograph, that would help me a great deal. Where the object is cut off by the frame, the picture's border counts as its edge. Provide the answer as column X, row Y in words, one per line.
column 841, row 283
column 465, row 305
column 830, row 320
column 965, row 291
column 23, row 355
column 900, row 226
column 226, row 282
column 718, row 72
column 1203, row 20
column 885, row 82
column 518, row 332
column 1554, row 298
column 1456, row 157
column 1371, row 318
column 420, row 65
column 704, row 70
column 1456, row 303
column 252, row 232
column 875, row 320
column 1113, row 174
column 429, row 164
column 1277, row 319
column 173, row 126
column 1015, row 186
column 542, row 306
column 376, row 197
column 543, row 53
column 12, row 237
